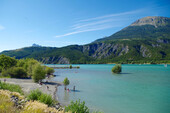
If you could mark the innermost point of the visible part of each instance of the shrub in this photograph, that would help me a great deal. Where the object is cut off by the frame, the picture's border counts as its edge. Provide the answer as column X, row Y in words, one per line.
column 29, row 66
column 6, row 73
column 46, row 99
column 49, row 70
column 11, row 87
column 21, row 62
column 34, row 94
column 70, row 66
column 7, row 62
column 18, row 72
column 15, row 72
column 66, row 82
column 77, row 107
column 38, row 95
column 117, row 68
column 38, row 73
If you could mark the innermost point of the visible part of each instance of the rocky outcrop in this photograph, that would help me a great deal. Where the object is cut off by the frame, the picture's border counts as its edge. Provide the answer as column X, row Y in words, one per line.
column 162, row 41
column 103, row 50
column 151, row 20
column 56, row 60
column 63, row 60
column 124, row 50
column 144, row 51
column 156, row 45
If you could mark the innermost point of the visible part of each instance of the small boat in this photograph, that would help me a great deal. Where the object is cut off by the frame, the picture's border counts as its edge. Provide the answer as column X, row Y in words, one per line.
column 165, row 65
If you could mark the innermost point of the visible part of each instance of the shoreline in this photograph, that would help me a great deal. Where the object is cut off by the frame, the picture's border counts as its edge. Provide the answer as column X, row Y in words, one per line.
column 27, row 85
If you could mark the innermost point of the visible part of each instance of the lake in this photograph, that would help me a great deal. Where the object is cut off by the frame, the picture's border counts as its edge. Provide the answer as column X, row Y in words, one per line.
column 138, row 89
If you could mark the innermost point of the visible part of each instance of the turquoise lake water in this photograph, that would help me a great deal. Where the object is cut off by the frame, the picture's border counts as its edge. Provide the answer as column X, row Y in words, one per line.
column 139, row 89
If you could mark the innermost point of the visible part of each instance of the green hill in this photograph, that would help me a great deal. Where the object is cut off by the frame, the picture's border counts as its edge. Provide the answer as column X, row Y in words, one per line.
column 148, row 27
column 147, row 40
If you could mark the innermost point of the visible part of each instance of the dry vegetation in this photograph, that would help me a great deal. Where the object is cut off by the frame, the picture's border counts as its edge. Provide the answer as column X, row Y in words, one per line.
column 7, row 106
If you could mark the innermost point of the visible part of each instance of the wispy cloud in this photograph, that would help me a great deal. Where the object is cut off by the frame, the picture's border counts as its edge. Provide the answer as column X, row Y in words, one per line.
column 78, row 26
column 86, row 30
column 113, row 15
column 2, row 27
column 99, row 23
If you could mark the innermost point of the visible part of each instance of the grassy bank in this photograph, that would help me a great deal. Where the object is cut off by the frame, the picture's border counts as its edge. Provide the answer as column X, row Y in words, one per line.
column 27, row 103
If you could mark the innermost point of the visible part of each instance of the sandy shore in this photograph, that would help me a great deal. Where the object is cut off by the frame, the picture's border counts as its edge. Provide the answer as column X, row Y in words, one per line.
column 27, row 85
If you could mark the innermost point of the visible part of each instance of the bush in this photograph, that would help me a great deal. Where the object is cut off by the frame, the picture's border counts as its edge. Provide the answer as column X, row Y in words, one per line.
column 66, row 82
column 70, row 66
column 11, row 87
column 34, row 94
column 38, row 73
column 117, row 68
column 46, row 99
column 49, row 70
column 7, row 62
column 21, row 62
column 29, row 66
column 15, row 72
column 6, row 73
column 77, row 107
column 38, row 95
column 18, row 72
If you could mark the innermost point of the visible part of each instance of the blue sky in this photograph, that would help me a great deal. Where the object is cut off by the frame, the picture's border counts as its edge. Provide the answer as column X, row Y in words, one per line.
column 60, row 23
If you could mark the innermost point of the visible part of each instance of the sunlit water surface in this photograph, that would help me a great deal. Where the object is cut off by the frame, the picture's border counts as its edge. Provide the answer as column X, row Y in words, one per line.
column 138, row 89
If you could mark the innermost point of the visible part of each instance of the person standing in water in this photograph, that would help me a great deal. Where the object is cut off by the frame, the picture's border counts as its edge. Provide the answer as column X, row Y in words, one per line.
column 74, row 88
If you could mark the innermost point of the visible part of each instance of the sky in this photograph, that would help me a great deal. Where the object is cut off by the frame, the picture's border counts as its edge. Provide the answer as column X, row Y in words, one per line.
column 59, row 23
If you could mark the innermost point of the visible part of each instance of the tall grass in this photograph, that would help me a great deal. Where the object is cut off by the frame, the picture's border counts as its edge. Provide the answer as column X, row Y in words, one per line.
column 6, row 106
column 37, row 107
column 11, row 87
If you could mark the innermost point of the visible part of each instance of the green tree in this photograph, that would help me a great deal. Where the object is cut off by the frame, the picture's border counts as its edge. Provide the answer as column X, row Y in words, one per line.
column 7, row 62
column 29, row 65
column 21, row 62
column 49, row 70
column 66, row 82
column 15, row 72
column 117, row 68
column 70, row 66
column 77, row 107
column 38, row 73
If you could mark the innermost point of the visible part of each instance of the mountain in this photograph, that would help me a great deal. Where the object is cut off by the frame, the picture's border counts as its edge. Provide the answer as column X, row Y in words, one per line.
column 147, row 40
column 145, row 28
column 36, row 45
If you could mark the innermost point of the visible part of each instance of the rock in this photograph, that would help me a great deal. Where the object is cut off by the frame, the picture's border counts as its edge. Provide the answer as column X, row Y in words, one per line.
column 145, row 52
column 63, row 60
column 162, row 41
column 103, row 50
column 151, row 20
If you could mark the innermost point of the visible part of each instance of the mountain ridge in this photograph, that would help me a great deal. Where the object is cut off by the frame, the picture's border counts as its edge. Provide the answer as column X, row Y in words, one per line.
column 151, row 20
column 137, row 30
column 143, row 43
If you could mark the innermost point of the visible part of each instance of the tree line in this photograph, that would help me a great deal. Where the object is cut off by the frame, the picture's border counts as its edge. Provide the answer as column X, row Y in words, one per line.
column 23, row 68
